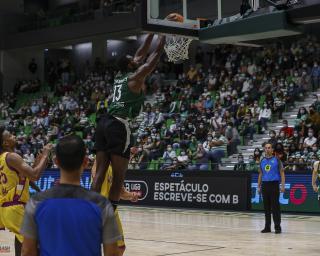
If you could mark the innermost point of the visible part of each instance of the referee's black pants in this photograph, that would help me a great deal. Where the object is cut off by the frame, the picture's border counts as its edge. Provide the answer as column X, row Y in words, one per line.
column 271, row 195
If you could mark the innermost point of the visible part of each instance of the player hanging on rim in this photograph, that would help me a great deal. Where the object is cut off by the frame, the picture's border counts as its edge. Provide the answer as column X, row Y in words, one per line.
column 113, row 134
column 15, row 176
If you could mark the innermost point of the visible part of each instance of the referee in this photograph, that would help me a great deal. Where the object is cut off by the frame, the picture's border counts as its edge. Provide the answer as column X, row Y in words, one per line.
column 68, row 219
column 270, row 173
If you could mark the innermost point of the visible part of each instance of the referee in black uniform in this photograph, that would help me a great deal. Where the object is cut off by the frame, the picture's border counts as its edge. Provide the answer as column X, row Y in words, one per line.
column 271, row 172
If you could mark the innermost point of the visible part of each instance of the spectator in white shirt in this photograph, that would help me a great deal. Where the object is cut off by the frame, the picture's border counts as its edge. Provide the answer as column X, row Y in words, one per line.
column 310, row 140
column 265, row 116
column 246, row 86
column 216, row 121
column 183, row 158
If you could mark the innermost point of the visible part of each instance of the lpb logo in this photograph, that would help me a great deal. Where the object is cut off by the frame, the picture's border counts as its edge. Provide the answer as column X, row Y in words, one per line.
column 138, row 186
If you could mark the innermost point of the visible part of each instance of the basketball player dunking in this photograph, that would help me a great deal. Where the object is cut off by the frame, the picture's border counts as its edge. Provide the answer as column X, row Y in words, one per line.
column 113, row 134
column 14, row 184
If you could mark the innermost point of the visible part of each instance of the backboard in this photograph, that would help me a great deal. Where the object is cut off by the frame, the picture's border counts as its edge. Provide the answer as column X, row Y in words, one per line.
column 154, row 13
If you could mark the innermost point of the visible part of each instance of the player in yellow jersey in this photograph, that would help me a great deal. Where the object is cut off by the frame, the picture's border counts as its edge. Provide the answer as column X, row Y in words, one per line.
column 124, row 195
column 15, row 175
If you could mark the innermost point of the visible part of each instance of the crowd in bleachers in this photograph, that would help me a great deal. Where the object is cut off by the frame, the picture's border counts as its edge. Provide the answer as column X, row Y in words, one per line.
column 193, row 121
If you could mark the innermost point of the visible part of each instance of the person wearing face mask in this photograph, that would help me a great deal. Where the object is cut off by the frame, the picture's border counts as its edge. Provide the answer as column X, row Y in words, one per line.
column 242, row 110
column 159, row 118
column 252, row 166
column 240, row 166
column 233, row 137
column 273, row 140
column 302, row 116
column 166, row 135
column 216, row 120
column 288, row 131
column 310, row 140
column 189, row 131
column 314, row 118
column 168, row 156
column 315, row 76
column 264, row 117
column 255, row 111
column 175, row 165
column 201, row 131
column 148, row 146
column 279, row 152
column 206, row 145
column 208, row 104
column 247, row 127
column 183, row 159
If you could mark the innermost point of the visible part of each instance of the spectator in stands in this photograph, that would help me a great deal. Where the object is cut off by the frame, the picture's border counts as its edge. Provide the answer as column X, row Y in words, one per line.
column 314, row 117
column 240, row 166
column 183, row 159
column 279, row 152
column 201, row 158
column 302, row 116
column 264, row 117
column 279, row 104
column 217, row 147
column 257, row 154
column 310, row 140
column 175, row 165
column 247, row 127
column 273, row 139
column 233, row 138
column 288, row 131
column 168, row 156
column 252, row 166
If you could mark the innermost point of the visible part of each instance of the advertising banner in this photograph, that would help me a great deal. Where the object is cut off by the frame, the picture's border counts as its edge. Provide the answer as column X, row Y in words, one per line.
column 190, row 189
column 298, row 196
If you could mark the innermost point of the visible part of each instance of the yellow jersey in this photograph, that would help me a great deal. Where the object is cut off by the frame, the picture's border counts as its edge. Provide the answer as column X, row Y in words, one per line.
column 14, row 189
column 107, row 183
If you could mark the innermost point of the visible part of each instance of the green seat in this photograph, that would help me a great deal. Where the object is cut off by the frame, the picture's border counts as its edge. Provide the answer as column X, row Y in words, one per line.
column 169, row 122
column 79, row 133
column 92, row 118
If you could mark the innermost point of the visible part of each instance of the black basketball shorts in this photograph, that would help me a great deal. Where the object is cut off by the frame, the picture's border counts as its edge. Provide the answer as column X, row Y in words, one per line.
column 113, row 135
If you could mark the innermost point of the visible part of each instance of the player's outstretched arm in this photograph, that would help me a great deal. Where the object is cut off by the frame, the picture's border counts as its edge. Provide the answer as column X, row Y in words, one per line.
column 315, row 176
column 33, row 173
column 143, row 50
column 136, row 80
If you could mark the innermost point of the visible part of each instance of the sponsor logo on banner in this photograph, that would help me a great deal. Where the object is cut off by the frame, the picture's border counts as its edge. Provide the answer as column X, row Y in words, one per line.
column 137, row 186
column 297, row 194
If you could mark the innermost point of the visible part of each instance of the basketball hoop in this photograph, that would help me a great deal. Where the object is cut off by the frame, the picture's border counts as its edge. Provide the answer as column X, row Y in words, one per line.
column 177, row 48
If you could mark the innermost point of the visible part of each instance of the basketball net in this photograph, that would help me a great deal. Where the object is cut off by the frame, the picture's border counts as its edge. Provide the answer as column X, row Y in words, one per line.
column 177, row 48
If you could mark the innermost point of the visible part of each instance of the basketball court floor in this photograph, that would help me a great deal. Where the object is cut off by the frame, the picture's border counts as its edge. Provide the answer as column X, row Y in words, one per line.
column 162, row 232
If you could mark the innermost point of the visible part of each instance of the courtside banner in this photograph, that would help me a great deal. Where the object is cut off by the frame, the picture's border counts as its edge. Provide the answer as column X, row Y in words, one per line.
column 203, row 190
column 196, row 189
column 298, row 196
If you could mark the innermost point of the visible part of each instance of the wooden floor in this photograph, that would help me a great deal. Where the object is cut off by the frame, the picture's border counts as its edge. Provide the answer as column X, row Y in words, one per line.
column 160, row 232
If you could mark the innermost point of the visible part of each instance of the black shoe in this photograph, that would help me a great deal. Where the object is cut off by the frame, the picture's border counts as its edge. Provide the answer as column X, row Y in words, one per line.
column 277, row 231
column 266, row 230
